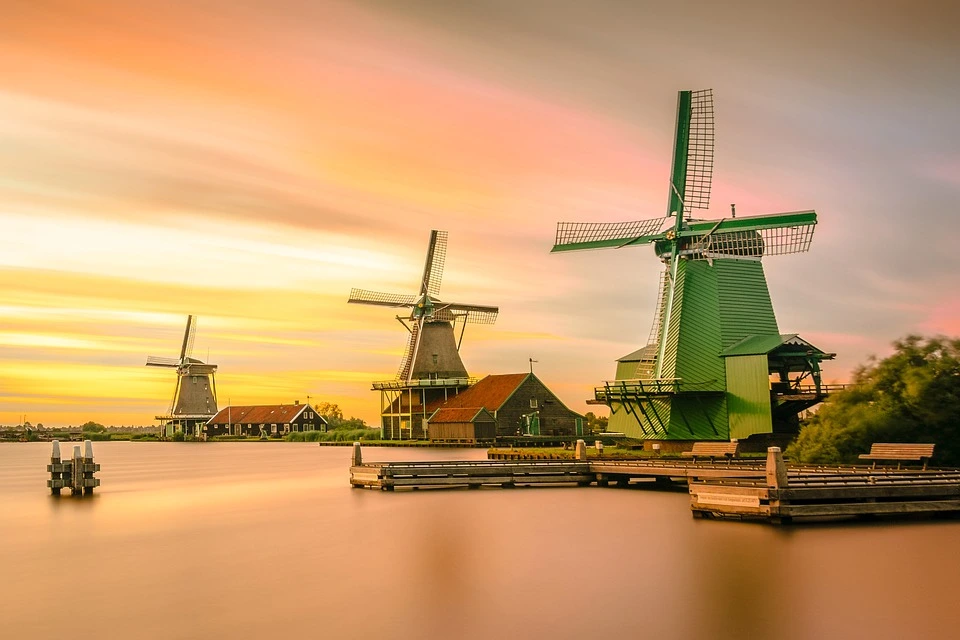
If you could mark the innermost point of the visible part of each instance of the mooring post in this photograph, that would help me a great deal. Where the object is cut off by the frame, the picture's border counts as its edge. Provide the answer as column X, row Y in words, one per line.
column 776, row 480
column 357, row 456
column 88, row 468
column 56, row 475
column 776, row 469
column 76, row 481
column 581, row 450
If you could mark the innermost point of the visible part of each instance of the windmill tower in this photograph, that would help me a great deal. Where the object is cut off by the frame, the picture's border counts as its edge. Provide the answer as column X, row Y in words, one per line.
column 431, row 369
column 195, row 395
column 716, row 366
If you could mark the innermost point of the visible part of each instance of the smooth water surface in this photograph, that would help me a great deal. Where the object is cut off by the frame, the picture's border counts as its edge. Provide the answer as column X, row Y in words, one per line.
column 268, row 540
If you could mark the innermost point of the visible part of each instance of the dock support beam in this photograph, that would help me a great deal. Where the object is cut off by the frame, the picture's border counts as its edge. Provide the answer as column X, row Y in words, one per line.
column 357, row 456
column 776, row 480
column 776, row 469
column 581, row 451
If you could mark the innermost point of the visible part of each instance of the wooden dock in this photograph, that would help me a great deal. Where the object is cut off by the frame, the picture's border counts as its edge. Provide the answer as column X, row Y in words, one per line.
column 473, row 474
column 511, row 473
column 786, row 493
column 766, row 490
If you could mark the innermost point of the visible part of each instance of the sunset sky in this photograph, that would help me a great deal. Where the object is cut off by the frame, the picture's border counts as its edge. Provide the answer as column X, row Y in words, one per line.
column 250, row 162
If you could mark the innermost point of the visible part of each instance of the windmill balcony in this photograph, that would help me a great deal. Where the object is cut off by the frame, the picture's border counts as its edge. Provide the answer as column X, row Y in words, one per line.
column 387, row 385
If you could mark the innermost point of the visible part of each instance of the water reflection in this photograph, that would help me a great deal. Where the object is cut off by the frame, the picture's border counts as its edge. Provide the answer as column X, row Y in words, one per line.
column 250, row 540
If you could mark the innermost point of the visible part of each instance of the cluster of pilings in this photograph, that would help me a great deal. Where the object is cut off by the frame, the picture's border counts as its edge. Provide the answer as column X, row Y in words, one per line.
column 75, row 474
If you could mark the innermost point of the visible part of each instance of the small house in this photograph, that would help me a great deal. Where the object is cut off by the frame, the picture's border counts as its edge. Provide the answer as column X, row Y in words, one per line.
column 274, row 421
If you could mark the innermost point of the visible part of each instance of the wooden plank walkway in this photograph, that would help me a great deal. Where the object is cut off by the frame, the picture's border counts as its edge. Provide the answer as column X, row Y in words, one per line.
column 816, row 492
column 473, row 474
column 761, row 489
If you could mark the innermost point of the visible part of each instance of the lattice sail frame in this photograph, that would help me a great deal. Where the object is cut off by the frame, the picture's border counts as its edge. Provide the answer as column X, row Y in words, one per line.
column 752, row 244
column 433, row 269
column 571, row 233
column 471, row 315
column 385, row 299
column 700, row 147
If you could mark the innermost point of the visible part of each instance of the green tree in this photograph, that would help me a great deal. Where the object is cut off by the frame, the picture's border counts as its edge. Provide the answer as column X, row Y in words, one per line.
column 329, row 410
column 92, row 427
column 910, row 396
column 594, row 422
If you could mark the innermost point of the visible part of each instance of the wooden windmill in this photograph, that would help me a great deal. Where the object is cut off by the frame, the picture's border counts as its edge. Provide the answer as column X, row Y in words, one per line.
column 716, row 365
column 195, row 395
column 431, row 369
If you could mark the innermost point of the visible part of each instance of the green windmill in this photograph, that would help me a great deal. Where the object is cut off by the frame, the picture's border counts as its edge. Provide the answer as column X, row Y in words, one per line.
column 716, row 366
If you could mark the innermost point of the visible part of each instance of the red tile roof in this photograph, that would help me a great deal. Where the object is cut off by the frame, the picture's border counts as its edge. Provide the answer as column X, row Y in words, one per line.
column 466, row 414
column 490, row 393
column 259, row 414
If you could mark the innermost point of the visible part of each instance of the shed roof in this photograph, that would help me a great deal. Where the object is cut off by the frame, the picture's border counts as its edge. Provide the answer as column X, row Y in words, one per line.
column 648, row 352
column 762, row 344
column 261, row 414
column 459, row 414
column 491, row 392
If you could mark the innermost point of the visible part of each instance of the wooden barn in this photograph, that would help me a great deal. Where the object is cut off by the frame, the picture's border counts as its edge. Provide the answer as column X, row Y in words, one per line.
column 470, row 424
column 519, row 403
column 274, row 420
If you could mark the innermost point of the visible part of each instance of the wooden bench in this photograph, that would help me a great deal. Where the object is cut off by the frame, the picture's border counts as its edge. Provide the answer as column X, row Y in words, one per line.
column 900, row 452
column 712, row 450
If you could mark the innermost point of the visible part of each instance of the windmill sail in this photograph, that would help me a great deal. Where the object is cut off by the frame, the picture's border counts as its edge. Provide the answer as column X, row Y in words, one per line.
column 433, row 267
column 574, row 236
column 700, row 145
column 362, row 296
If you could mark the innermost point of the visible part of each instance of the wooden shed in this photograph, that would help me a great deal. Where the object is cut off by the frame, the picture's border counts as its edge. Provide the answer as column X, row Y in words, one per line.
column 521, row 405
column 466, row 424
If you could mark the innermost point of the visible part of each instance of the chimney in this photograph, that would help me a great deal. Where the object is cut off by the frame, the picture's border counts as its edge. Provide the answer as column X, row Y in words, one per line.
column 296, row 403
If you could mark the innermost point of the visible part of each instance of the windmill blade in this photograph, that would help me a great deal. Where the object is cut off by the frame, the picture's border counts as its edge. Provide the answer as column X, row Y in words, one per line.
column 750, row 237
column 472, row 313
column 692, row 170
column 186, row 349
column 433, row 267
column 413, row 342
column 575, row 236
column 699, row 152
column 362, row 296
column 157, row 361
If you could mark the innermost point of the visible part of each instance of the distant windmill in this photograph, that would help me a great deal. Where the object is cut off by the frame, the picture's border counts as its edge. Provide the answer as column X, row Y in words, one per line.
column 705, row 373
column 432, row 357
column 195, row 395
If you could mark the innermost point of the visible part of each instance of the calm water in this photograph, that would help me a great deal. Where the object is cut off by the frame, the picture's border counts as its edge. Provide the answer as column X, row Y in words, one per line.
column 267, row 540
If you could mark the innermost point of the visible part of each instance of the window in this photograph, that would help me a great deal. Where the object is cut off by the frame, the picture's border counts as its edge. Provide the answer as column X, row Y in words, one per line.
column 533, row 403
column 436, row 358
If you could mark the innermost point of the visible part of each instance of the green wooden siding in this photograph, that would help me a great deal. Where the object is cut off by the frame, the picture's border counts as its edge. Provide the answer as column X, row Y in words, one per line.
column 626, row 370
column 748, row 396
column 697, row 318
column 744, row 301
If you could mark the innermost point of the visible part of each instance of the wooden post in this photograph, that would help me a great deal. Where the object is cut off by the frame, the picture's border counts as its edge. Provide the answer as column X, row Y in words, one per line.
column 776, row 469
column 581, row 450
column 87, row 475
column 776, row 480
column 357, row 457
column 55, row 473
column 76, row 481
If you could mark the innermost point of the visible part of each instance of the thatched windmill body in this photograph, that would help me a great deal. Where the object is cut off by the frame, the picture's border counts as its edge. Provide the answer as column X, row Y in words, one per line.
column 716, row 366
column 195, row 394
column 431, row 370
